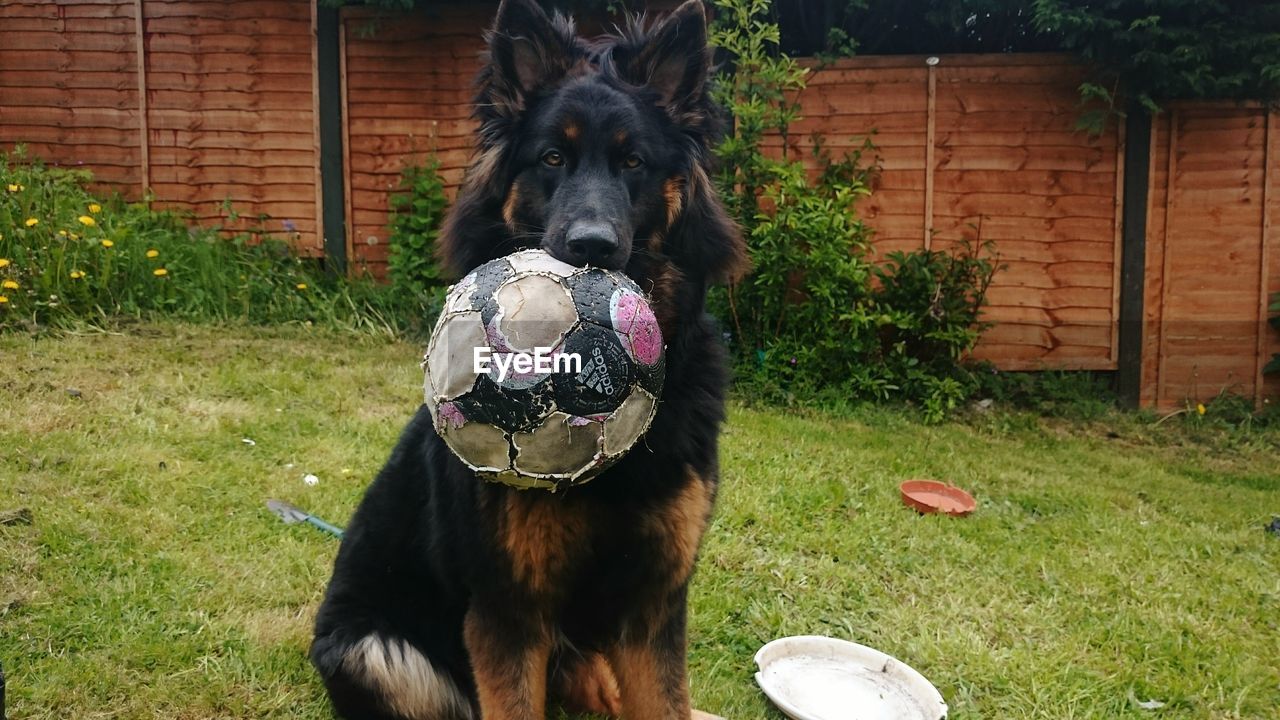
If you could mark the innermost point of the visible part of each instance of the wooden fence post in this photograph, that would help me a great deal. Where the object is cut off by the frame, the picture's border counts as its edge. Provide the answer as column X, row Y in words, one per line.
column 1171, row 185
column 1133, row 255
column 333, row 223
column 1264, row 262
column 930, row 134
column 144, row 139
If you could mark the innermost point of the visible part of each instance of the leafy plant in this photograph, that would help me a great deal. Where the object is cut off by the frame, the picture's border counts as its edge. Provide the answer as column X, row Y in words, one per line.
column 417, row 212
column 760, row 88
column 929, row 305
column 817, row 319
column 1155, row 50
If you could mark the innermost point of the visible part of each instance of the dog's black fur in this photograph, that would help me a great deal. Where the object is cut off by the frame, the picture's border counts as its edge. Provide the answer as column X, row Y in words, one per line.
column 456, row 598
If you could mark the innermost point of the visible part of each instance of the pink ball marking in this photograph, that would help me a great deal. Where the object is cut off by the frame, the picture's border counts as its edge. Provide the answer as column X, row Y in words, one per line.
column 637, row 326
column 451, row 415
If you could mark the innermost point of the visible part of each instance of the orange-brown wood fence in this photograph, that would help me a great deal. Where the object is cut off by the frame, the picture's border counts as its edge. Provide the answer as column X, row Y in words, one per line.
column 212, row 107
column 1213, row 258
column 206, row 104
column 985, row 147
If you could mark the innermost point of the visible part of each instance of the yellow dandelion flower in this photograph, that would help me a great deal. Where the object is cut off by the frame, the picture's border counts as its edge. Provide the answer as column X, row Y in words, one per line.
column 301, row 286
column 63, row 233
column 76, row 274
column 107, row 243
column 9, row 285
column 159, row 272
column 3, row 300
column 32, row 222
column 86, row 220
column 15, row 187
column 153, row 253
column 1200, row 408
column 4, row 262
column 95, row 208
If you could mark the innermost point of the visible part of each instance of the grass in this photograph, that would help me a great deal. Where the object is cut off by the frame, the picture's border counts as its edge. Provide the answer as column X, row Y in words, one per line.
column 1108, row 563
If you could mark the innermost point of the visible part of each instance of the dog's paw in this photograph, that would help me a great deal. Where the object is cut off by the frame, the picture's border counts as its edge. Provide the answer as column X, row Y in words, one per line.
column 589, row 686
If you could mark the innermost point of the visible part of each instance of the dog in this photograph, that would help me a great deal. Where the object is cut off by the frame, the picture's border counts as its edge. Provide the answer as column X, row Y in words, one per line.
column 453, row 598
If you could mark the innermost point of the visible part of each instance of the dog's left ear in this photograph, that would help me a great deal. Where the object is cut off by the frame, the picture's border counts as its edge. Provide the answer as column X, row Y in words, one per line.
column 675, row 59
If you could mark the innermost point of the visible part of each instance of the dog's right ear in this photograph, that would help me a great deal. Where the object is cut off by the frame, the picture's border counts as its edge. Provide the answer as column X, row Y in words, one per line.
column 527, row 51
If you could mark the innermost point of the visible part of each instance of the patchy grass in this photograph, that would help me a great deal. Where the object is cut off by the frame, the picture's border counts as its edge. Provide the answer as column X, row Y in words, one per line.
column 1109, row 562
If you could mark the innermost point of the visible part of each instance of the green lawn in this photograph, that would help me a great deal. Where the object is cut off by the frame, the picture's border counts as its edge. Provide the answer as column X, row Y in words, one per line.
column 1101, row 569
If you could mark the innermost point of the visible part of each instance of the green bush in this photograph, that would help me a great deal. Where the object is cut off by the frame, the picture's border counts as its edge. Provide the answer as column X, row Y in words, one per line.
column 67, row 255
column 417, row 212
column 817, row 320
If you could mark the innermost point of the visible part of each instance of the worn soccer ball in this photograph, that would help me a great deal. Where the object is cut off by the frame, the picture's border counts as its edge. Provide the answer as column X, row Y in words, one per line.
column 542, row 374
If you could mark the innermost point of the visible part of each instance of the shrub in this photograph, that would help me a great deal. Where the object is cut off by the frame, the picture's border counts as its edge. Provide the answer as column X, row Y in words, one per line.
column 817, row 320
column 67, row 255
column 417, row 212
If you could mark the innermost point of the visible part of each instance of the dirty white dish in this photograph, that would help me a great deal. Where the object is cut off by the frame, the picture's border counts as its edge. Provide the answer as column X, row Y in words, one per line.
column 810, row 677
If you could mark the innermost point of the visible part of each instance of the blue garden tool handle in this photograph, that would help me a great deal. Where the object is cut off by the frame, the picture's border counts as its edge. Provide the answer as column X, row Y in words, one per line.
column 331, row 529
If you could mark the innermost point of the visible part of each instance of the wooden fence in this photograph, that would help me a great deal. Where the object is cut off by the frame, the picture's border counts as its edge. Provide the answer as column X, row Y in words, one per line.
column 985, row 147
column 1212, row 257
column 218, row 119
column 214, row 107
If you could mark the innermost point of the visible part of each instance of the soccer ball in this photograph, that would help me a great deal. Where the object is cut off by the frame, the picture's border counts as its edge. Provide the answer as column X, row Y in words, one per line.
column 542, row 374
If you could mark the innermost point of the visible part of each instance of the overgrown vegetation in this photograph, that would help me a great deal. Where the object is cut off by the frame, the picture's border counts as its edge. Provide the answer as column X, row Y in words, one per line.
column 1147, row 50
column 417, row 214
column 68, row 255
column 817, row 318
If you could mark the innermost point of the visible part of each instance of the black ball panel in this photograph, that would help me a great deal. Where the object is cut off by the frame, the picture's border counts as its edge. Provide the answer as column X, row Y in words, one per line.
column 511, row 409
column 592, row 289
column 488, row 278
column 605, row 377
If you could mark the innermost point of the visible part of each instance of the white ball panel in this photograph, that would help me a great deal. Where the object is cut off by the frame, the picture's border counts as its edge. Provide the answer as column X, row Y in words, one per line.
column 557, row 447
column 539, row 261
column 459, row 297
column 480, row 445
column 534, row 311
column 625, row 426
column 451, row 356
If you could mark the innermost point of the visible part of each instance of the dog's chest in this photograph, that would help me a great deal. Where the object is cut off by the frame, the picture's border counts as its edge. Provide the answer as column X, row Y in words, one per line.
column 556, row 543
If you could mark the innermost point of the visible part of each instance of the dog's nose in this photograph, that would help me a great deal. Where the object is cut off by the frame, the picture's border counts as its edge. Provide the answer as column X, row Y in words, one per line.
column 591, row 243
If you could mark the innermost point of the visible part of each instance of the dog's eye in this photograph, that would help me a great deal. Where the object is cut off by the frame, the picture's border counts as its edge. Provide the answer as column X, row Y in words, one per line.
column 552, row 158
column 632, row 161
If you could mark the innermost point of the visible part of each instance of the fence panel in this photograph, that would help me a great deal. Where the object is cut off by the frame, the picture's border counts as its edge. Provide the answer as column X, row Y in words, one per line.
column 1213, row 249
column 69, row 86
column 230, row 114
column 407, row 88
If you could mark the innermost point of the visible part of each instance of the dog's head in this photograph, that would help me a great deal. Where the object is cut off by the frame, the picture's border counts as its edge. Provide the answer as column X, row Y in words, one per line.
column 597, row 151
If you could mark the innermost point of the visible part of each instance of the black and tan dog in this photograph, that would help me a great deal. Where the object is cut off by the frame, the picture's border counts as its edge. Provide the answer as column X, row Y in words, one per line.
column 456, row 598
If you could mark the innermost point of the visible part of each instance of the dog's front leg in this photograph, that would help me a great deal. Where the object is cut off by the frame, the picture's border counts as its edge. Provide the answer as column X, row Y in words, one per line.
column 649, row 663
column 509, row 657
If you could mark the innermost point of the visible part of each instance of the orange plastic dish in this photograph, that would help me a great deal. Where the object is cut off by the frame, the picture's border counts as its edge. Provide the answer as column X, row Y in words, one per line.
column 931, row 496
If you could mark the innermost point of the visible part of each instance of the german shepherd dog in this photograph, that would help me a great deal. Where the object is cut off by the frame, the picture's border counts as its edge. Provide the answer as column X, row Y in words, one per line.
column 455, row 598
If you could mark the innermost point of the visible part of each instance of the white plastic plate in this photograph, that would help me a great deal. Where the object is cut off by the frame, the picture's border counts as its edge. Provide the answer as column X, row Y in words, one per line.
column 810, row 677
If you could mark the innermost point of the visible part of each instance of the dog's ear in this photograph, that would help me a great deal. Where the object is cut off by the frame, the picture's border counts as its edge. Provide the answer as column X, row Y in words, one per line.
column 527, row 51
column 675, row 59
